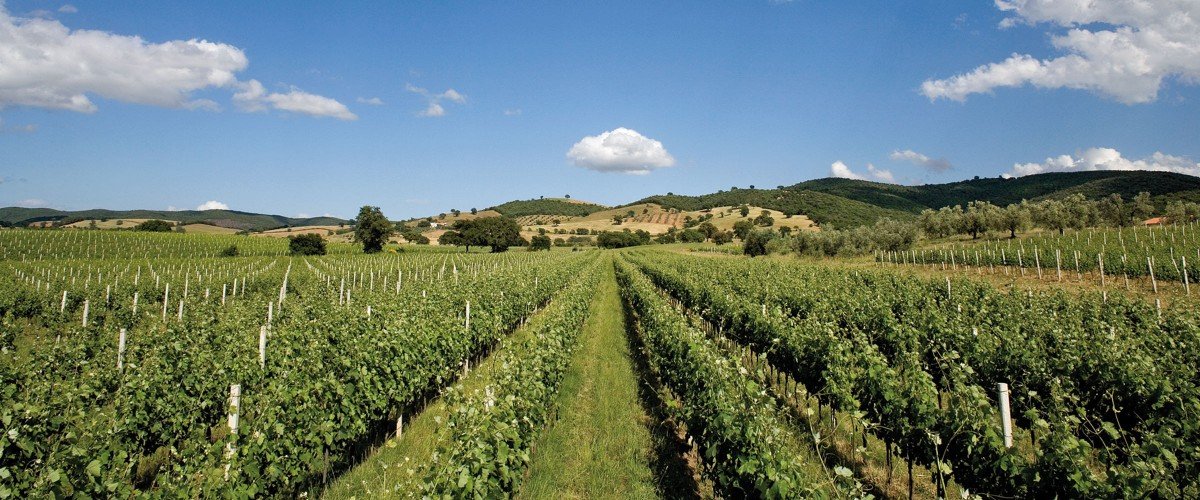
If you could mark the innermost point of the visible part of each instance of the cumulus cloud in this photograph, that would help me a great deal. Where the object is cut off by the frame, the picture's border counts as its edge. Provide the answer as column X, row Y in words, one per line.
column 920, row 160
column 1107, row 159
column 1121, row 49
column 44, row 64
column 373, row 101
column 620, row 150
column 252, row 96
column 434, row 110
column 68, row 9
column 840, row 169
column 434, row 106
column 212, row 205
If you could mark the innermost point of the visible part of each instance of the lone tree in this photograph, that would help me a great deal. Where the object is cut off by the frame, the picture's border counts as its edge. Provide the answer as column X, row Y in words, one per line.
column 372, row 229
column 306, row 244
column 154, row 225
column 497, row 233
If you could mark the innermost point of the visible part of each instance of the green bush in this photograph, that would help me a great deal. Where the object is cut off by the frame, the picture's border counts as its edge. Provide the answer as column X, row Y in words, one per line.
column 306, row 244
column 155, row 225
column 756, row 242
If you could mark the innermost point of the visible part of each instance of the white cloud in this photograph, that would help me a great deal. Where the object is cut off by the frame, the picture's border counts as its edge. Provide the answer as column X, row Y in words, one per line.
column 620, row 150
column 453, row 95
column 252, row 96
column 1107, row 159
column 212, row 205
column 1121, row 49
column 373, row 101
column 880, row 175
column 44, row 64
column 920, row 160
column 512, row 112
column 32, row 203
column 434, row 108
column 840, row 169
column 68, row 9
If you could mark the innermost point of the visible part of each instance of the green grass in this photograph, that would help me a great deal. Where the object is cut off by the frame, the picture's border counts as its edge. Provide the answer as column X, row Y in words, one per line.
column 601, row 446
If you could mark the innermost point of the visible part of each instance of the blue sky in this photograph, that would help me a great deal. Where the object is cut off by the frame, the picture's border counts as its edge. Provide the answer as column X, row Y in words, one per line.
column 321, row 107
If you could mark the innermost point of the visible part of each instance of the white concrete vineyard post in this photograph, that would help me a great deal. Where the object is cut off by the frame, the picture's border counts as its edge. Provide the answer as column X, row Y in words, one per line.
column 224, row 289
column 166, row 296
column 63, row 307
column 135, row 297
column 121, row 351
column 1005, row 415
column 1100, row 259
column 235, row 403
column 85, row 313
column 399, row 426
column 468, row 327
column 262, row 346
column 1186, row 286
column 1150, row 266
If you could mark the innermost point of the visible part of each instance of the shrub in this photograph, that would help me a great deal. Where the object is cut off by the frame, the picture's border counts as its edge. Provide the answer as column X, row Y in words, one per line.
column 539, row 242
column 230, row 251
column 154, row 225
column 756, row 242
column 306, row 244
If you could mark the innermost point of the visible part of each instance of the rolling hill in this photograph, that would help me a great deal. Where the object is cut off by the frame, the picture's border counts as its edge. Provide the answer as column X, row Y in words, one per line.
column 548, row 206
column 829, row 202
column 849, row 202
column 232, row 219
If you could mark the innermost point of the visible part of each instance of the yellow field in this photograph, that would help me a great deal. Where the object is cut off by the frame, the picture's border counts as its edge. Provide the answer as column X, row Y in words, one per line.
column 655, row 220
column 109, row 224
column 208, row 229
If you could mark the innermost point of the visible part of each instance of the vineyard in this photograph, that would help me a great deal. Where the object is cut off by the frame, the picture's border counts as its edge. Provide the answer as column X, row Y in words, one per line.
column 149, row 365
column 1165, row 252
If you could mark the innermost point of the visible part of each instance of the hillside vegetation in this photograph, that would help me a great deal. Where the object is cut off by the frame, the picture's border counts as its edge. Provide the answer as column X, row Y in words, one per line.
column 548, row 206
column 848, row 202
column 232, row 219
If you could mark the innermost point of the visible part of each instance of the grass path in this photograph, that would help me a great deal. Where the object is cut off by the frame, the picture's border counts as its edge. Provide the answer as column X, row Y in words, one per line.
column 603, row 444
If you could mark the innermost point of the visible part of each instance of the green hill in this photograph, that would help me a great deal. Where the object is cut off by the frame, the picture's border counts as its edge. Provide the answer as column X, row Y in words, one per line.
column 848, row 202
column 548, row 206
column 18, row 216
